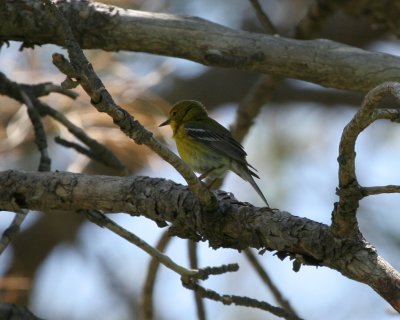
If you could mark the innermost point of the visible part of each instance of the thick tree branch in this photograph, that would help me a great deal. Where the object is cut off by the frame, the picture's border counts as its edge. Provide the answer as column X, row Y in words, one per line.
column 99, row 26
column 232, row 225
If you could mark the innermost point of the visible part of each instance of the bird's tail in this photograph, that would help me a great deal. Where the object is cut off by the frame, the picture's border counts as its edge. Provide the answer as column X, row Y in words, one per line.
column 244, row 170
column 257, row 188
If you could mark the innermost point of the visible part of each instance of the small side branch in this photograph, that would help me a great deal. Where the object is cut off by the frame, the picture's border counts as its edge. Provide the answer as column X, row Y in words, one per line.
column 103, row 221
column 263, row 17
column 284, row 303
column 371, row 191
column 238, row 300
column 96, row 151
column 10, row 233
column 40, row 135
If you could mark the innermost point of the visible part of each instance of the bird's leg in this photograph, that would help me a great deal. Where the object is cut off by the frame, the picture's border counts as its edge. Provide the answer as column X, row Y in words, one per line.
column 208, row 173
column 205, row 174
column 209, row 185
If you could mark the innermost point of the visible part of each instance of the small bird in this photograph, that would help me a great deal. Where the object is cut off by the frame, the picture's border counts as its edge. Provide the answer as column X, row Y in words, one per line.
column 206, row 146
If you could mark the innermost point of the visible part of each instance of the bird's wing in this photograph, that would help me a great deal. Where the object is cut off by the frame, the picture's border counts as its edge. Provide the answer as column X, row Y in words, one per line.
column 219, row 139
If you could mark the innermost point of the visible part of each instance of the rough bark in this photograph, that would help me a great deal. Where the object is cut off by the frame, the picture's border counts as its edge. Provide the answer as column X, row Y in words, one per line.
column 99, row 26
column 232, row 225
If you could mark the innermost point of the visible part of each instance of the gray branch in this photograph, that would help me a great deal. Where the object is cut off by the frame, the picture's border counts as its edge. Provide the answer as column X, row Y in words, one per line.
column 232, row 225
column 100, row 26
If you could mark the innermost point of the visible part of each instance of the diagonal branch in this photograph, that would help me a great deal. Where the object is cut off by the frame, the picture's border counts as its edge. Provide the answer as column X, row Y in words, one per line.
column 103, row 221
column 81, row 70
column 14, row 228
column 97, row 151
column 285, row 304
column 201, row 311
column 250, row 106
column 40, row 135
column 263, row 18
column 146, row 310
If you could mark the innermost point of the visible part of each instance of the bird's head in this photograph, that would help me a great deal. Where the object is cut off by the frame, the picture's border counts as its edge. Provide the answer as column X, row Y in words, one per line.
column 184, row 111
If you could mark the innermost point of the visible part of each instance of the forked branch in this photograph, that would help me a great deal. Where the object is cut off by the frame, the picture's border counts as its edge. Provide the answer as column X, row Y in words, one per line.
column 344, row 222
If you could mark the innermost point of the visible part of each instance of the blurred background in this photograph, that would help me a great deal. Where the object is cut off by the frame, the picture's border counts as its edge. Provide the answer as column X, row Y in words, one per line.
column 64, row 267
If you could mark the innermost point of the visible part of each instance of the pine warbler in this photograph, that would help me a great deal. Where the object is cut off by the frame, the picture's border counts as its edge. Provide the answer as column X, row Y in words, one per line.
column 206, row 146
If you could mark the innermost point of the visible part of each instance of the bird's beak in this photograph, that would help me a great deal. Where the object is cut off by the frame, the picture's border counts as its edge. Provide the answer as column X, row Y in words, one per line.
column 165, row 123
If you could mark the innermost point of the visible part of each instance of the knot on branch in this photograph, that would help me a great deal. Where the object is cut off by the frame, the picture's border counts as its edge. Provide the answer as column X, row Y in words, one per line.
column 204, row 273
column 350, row 192
column 216, row 57
column 64, row 66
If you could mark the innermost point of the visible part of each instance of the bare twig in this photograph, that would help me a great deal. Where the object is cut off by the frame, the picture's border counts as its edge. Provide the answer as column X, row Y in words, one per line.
column 81, row 70
column 284, row 303
column 250, row 106
column 370, row 191
column 77, row 147
column 146, row 311
column 108, row 158
column 98, row 151
column 10, row 233
column 40, row 135
column 103, row 221
column 263, row 17
column 238, row 300
column 12, row 89
column 201, row 311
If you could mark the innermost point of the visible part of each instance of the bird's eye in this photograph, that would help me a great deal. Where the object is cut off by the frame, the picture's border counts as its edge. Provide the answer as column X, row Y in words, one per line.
column 173, row 113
